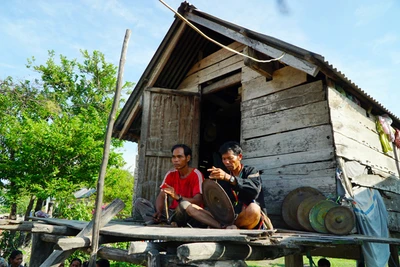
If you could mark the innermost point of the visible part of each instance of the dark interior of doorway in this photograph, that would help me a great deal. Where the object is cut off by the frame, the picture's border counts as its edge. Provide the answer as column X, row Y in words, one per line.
column 220, row 122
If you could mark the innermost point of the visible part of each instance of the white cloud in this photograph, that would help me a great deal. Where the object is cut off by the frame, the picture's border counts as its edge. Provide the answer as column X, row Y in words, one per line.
column 387, row 39
column 368, row 13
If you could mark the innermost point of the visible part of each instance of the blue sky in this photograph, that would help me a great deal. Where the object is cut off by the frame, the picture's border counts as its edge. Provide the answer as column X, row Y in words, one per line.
column 361, row 38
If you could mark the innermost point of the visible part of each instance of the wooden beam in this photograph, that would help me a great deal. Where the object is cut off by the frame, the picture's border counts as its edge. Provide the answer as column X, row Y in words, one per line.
column 129, row 120
column 222, row 84
column 394, row 256
column 290, row 60
column 265, row 69
column 108, row 213
column 53, row 229
column 226, row 251
column 294, row 260
column 122, row 255
column 23, row 227
column 40, row 249
column 138, row 247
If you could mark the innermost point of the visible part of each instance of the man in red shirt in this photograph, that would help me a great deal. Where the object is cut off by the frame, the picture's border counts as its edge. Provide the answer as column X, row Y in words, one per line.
column 183, row 184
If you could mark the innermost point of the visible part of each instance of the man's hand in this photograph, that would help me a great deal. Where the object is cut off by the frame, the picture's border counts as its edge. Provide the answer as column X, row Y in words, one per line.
column 218, row 174
column 169, row 190
column 157, row 216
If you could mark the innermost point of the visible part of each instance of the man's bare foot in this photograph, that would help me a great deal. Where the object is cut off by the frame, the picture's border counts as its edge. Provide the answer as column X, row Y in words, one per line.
column 174, row 224
column 231, row 227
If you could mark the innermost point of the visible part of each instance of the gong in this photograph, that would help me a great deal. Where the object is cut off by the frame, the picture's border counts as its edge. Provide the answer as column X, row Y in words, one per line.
column 292, row 202
column 218, row 202
column 318, row 213
column 340, row 220
column 303, row 211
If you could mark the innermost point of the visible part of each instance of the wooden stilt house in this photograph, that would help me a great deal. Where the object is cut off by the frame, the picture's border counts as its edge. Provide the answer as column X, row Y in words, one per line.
column 298, row 119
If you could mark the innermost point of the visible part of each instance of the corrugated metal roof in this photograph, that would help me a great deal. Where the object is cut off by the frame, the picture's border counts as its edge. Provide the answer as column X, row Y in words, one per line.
column 186, row 53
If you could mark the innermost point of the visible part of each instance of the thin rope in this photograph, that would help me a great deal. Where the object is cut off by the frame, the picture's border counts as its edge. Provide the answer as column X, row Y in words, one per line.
column 218, row 43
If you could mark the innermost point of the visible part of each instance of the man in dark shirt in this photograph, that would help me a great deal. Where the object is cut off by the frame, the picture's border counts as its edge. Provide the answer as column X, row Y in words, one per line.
column 243, row 186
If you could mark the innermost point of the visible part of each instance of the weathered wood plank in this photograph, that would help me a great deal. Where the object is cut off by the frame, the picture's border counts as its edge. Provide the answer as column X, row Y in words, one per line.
column 285, row 160
column 226, row 65
column 294, row 97
column 23, row 227
column 53, row 229
column 215, row 58
column 306, row 139
column 275, row 190
column 184, row 234
column 121, row 255
column 301, row 117
column 294, row 260
column 222, row 84
column 249, row 74
column 108, row 213
column 392, row 201
column 225, row 251
column 350, row 120
column 293, row 61
column 394, row 221
column 144, row 247
column 283, row 78
column 265, row 69
column 40, row 249
column 391, row 184
column 351, row 149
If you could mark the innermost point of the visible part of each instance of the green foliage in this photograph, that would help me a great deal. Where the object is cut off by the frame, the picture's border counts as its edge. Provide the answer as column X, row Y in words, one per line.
column 52, row 130
column 119, row 184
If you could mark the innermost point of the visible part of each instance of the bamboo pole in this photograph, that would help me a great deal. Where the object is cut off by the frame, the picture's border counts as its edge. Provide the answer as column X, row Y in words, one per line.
column 106, row 152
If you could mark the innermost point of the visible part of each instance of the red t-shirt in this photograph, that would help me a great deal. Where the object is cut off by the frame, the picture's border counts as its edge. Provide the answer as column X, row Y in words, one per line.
column 186, row 187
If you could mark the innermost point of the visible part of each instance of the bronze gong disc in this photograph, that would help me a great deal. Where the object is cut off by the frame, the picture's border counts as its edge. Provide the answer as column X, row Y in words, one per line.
column 303, row 211
column 292, row 202
column 340, row 220
column 218, row 202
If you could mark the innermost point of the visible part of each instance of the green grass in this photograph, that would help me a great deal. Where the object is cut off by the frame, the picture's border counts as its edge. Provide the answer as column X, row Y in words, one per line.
column 280, row 262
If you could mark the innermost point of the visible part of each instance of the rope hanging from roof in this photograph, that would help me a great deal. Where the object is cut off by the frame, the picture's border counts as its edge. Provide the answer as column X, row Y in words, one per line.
column 216, row 42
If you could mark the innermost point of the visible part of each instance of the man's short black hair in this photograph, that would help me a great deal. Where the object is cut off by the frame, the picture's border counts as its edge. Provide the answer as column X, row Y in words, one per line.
column 186, row 150
column 103, row 263
column 324, row 263
column 231, row 145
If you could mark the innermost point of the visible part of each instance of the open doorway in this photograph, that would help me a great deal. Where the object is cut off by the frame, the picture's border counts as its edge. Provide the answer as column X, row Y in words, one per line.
column 220, row 122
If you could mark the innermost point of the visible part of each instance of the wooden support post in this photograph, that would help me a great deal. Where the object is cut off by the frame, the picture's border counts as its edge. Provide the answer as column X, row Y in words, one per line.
column 153, row 258
column 224, row 251
column 294, row 260
column 106, row 152
column 40, row 250
column 394, row 256
column 109, row 212
column 143, row 247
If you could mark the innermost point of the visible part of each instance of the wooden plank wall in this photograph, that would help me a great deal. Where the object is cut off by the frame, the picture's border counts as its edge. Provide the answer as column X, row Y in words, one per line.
column 356, row 139
column 169, row 115
column 213, row 66
column 286, row 133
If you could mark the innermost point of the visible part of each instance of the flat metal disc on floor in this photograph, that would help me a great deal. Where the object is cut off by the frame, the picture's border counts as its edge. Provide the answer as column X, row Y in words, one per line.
column 318, row 213
column 340, row 220
column 218, row 202
column 303, row 211
column 292, row 202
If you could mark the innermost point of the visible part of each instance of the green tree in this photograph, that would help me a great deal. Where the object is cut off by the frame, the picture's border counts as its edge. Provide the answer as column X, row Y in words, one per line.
column 119, row 184
column 52, row 130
